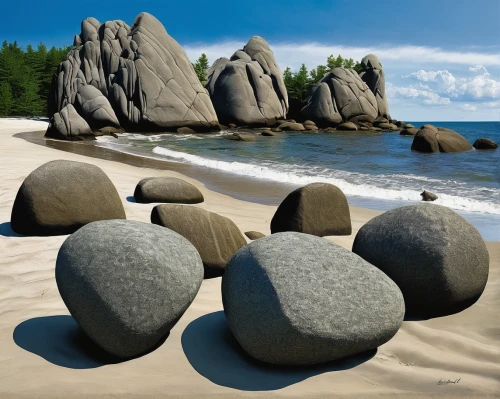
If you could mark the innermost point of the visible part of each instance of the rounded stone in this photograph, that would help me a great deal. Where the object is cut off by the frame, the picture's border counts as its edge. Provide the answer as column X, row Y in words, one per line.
column 61, row 196
column 254, row 235
column 437, row 258
column 297, row 299
column 167, row 189
column 127, row 283
column 347, row 126
column 485, row 144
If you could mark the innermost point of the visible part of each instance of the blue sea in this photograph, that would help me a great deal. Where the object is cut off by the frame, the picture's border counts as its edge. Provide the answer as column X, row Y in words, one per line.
column 374, row 170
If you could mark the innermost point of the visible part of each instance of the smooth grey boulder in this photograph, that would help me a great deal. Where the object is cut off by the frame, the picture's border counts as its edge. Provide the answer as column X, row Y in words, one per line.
column 138, row 78
column 127, row 283
column 319, row 209
column 432, row 139
column 295, row 299
column 215, row 237
column 248, row 89
column 338, row 97
column 373, row 75
column 60, row 196
column 167, row 189
column 485, row 144
column 67, row 124
column 437, row 258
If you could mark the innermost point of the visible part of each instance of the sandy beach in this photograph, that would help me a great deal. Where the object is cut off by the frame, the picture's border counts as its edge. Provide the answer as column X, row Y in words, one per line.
column 43, row 355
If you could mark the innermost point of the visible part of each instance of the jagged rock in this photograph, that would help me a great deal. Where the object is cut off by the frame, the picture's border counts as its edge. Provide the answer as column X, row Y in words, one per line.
column 127, row 283
column 485, row 144
column 373, row 75
column 254, row 235
column 428, row 196
column 295, row 299
column 409, row 131
column 68, row 124
column 432, row 139
column 347, row 126
column 292, row 126
column 340, row 96
column 135, row 77
column 214, row 236
column 59, row 197
column 319, row 209
column 167, row 189
column 248, row 89
column 438, row 259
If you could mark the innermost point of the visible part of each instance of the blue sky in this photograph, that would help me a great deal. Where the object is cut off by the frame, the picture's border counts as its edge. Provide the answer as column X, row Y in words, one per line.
column 442, row 57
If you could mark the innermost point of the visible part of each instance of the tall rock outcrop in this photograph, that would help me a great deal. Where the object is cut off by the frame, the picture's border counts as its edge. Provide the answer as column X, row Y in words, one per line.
column 373, row 75
column 248, row 89
column 137, row 78
column 340, row 96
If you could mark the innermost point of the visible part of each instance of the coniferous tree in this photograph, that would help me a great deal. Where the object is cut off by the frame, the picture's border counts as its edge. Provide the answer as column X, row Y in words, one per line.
column 201, row 67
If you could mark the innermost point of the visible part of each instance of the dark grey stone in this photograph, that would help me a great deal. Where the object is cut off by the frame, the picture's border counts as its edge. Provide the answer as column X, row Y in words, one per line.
column 59, row 197
column 437, row 258
column 373, row 75
column 127, row 283
column 485, row 144
column 167, row 189
column 432, row 139
column 428, row 196
column 296, row 299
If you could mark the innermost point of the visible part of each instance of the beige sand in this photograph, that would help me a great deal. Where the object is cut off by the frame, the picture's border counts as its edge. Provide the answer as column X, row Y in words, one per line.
column 463, row 347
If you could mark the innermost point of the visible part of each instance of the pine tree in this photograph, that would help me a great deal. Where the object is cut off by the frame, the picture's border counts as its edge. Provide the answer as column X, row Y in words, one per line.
column 201, row 67
column 5, row 99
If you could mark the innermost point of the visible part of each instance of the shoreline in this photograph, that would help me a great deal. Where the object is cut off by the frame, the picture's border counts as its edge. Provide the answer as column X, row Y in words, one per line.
column 42, row 354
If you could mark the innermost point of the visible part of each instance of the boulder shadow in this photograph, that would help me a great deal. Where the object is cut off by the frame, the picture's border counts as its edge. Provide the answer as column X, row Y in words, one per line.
column 6, row 230
column 214, row 353
column 131, row 198
column 60, row 341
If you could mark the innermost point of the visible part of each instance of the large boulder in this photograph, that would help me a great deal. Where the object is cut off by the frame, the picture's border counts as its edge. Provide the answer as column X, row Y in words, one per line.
column 485, row 144
column 167, row 189
column 59, row 197
column 437, row 258
column 340, row 96
column 432, row 139
column 67, row 124
column 373, row 75
column 214, row 236
column 138, row 78
column 127, row 283
column 296, row 299
column 248, row 89
column 319, row 209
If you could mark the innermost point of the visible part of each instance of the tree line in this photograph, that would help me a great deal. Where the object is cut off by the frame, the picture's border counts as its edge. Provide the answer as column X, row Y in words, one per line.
column 25, row 77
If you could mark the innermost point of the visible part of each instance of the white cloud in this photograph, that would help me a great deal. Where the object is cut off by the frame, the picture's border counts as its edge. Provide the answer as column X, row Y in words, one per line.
column 428, row 97
column 479, row 69
column 468, row 107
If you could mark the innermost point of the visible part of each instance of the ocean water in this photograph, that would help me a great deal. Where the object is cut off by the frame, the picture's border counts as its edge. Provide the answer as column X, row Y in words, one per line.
column 374, row 170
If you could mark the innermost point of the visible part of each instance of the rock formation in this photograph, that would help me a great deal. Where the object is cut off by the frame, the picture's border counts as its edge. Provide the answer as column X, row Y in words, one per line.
column 295, row 299
column 137, row 78
column 432, row 139
column 485, row 144
column 373, row 75
column 59, row 197
column 167, row 189
column 438, row 259
column 248, row 89
column 340, row 96
column 127, row 283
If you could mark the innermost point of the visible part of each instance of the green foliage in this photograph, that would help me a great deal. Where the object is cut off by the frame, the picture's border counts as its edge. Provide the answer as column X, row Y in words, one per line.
column 201, row 67
column 299, row 83
column 25, row 77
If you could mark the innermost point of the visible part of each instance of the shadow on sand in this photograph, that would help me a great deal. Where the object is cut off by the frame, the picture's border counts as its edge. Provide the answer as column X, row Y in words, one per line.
column 59, row 340
column 6, row 230
column 131, row 198
column 214, row 353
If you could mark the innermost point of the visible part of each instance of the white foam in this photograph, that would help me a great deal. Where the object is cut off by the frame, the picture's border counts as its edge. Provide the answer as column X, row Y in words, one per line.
column 343, row 180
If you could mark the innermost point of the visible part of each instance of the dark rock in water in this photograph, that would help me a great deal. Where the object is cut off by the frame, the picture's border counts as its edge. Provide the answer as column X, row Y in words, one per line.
column 59, row 197
column 400, row 124
column 214, row 236
column 292, row 127
column 186, row 130
column 431, row 139
column 408, row 131
column 232, row 126
column 254, row 235
column 385, row 125
column 319, row 209
column 437, row 258
column 276, row 129
column 373, row 75
column 167, row 189
column 248, row 89
column 347, row 126
column 485, row 144
column 408, row 125
column 340, row 96
column 127, row 283
column 428, row 196
column 268, row 133
column 295, row 299
column 242, row 137
column 135, row 77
